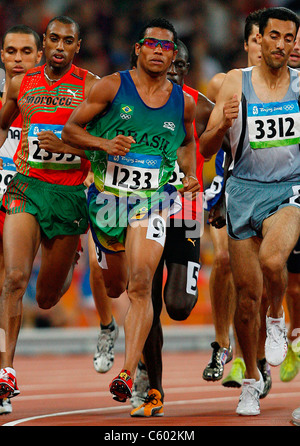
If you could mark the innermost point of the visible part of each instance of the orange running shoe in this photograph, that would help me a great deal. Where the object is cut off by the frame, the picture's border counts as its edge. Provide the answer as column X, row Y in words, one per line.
column 121, row 386
column 152, row 407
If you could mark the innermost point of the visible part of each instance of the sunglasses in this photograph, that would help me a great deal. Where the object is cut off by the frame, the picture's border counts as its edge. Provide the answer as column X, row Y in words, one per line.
column 151, row 42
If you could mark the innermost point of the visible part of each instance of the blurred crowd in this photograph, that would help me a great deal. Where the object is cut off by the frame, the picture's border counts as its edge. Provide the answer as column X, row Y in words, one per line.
column 212, row 29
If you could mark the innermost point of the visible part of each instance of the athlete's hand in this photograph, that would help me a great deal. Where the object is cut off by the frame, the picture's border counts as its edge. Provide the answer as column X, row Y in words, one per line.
column 50, row 142
column 119, row 145
column 230, row 111
column 89, row 179
column 191, row 187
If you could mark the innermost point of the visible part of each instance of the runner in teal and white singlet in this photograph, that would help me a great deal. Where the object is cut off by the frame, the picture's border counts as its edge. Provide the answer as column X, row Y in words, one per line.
column 158, row 133
column 131, row 127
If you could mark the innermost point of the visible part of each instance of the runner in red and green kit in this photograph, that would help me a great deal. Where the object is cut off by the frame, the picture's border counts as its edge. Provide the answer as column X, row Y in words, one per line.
column 45, row 201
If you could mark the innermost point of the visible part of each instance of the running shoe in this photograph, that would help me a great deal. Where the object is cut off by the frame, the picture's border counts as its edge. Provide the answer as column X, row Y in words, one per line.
column 140, row 386
column 152, row 407
column 5, row 406
column 296, row 417
column 276, row 344
column 265, row 371
column 215, row 368
column 236, row 374
column 249, row 402
column 291, row 365
column 8, row 384
column 105, row 351
column 121, row 386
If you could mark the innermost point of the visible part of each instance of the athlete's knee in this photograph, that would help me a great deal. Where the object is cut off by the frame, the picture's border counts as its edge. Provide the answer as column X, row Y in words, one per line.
column 16, row 281
column 180, row 311
column 222, row 261
column 271, row 264
column 140, row 283
column 47, row 299
column 114, row 289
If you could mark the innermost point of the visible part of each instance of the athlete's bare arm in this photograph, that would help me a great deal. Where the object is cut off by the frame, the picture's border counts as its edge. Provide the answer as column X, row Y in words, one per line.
column 223, row 115
column 214, row 86
column 203, row 111
column 186, row 153
column 10, row 109
column 100, row 96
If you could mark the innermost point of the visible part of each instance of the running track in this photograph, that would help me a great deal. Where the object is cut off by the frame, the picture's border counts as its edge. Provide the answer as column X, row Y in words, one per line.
column 66, row 391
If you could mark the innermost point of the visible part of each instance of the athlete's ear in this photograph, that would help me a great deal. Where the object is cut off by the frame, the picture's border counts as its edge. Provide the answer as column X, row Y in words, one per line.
column 137, row 49
column 78, row 46
column 39, row 57
column 259, row 38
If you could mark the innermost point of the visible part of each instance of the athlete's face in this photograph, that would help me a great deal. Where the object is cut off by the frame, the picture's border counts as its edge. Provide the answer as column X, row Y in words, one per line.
column 294, row 60
column 179, row 68
column 253, row 48
column 277, row 42
column 155, row 60
column 19, row 53
column 60, row 44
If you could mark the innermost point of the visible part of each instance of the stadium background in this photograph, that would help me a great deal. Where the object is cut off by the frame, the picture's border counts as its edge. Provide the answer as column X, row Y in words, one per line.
column 213, row 32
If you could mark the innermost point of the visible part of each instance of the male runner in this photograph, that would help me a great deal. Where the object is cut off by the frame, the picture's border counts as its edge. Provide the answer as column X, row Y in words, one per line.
column 181, row 255
column 136, row 121
column 221, row 283
column 291, row 365
column 263, row 214
column 21, row 50
column 45, row 201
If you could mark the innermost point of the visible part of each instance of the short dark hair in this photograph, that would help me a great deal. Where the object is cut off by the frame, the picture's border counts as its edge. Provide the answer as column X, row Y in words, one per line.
column 279, row 13
column 67, row 21
column 159, row 22
column 23, row 29
column 251, row 20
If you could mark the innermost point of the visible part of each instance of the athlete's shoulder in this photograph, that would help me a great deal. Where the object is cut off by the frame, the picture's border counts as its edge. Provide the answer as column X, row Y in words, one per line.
column 33, row 71
column 214, row 86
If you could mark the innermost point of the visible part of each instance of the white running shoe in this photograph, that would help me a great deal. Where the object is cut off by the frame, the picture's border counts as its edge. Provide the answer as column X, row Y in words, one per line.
column 105, row 352
column 276, row 344
column 249, row 402
column 296, row 417
column 141, row 386
column 5, row 406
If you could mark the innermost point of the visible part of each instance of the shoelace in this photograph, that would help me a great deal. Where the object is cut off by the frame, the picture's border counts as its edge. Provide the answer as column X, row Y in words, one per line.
column 250, row 390
column 106, row 342
column 151, row 399
column 275, row 333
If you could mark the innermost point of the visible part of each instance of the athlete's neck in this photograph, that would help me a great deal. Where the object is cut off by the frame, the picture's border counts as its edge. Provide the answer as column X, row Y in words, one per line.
column 53, row 74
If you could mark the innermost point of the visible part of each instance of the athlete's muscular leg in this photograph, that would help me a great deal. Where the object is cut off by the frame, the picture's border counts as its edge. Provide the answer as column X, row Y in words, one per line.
column 280, row 232
column 143, row 255
column 154, row 343
column 248, row 280
column 21, row 239
column 57, row 256
column 103, row 302
column 179, row 303
column 221, row 287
